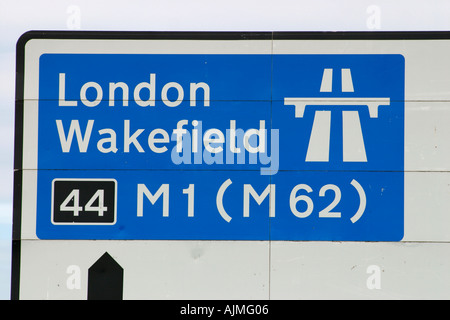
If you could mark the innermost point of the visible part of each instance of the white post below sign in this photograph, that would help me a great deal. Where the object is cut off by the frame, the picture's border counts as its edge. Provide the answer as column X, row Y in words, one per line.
column 232, row 166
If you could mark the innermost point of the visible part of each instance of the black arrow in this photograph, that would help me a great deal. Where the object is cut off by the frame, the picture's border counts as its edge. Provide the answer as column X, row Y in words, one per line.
column 105, row 279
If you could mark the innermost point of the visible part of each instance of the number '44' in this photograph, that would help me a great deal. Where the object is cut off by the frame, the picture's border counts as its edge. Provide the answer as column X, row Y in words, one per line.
column 76, row 208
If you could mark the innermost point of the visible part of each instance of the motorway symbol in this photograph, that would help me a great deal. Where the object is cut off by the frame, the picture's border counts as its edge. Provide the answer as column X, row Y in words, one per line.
column 353, row 141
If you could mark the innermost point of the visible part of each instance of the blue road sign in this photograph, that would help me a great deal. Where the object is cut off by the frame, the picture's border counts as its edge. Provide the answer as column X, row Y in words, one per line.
column 221, row 147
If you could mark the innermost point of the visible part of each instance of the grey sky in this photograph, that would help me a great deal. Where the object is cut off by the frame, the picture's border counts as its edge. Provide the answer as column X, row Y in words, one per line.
column 19, row 16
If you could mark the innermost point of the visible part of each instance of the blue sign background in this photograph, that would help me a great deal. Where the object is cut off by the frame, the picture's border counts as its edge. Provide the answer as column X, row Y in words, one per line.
column 247, row 89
